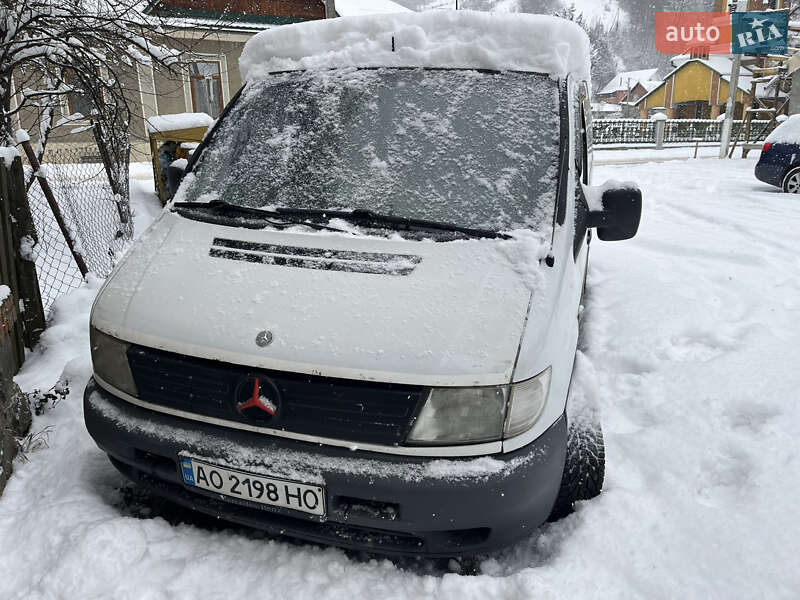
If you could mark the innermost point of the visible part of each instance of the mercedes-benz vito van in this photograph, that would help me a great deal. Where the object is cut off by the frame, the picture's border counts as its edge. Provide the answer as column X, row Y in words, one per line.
column 357, row 321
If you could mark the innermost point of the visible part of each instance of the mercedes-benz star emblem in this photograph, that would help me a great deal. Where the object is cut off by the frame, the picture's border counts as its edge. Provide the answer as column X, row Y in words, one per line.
column 258, row 399
column 263, row 338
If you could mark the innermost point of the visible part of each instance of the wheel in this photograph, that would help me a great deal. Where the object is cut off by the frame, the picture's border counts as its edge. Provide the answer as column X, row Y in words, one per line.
column 584, row 467
column 791, row 181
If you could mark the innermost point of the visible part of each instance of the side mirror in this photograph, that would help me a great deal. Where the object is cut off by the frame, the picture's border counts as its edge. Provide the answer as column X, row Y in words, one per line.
column 175, row 173
column 619, row 216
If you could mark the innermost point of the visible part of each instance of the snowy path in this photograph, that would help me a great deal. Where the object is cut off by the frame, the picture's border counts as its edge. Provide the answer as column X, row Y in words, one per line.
column 691, row 347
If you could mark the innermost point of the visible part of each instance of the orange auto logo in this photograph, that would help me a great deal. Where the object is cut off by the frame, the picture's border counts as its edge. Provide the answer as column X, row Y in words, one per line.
column 258, row 399
column 679, row 32
column 754, row 32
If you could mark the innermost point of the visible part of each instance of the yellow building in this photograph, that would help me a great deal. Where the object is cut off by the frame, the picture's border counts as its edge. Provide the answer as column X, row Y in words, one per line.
column 697, row 88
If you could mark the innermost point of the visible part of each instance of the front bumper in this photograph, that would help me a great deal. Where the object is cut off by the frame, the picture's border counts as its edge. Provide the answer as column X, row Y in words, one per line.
column 375, row 502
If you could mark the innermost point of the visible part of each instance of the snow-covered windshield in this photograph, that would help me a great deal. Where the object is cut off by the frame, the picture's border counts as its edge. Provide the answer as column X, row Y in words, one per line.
column 477, row 149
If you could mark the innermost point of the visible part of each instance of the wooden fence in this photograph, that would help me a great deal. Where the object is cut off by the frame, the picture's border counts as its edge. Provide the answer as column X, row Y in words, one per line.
column 21, row 313
column 23, row 316
column 12, row 341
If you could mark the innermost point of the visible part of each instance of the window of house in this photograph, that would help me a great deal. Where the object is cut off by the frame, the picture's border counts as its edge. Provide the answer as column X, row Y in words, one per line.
column 206, row 85
column 78, row 101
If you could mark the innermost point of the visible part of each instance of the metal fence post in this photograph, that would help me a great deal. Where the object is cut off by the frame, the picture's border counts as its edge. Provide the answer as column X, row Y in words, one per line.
column 661, row 126
column 330, row 9
column 51, row 200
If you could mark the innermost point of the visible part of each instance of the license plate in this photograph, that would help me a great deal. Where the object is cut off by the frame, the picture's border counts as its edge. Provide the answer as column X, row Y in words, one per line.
column 255, row 488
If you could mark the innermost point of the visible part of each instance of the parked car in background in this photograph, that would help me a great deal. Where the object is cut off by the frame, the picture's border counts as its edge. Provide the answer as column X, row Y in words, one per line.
column 357, row 321
column 779, row 164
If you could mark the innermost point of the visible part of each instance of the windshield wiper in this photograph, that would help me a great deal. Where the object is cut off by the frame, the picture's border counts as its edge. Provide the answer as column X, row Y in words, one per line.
column 363, row 216
column 226, row 210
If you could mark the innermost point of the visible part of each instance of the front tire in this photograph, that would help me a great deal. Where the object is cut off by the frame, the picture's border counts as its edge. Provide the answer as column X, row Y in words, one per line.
column 791, row 181
column 584, row 467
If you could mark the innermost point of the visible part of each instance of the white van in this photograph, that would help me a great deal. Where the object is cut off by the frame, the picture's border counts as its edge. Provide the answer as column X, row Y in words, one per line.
column 356, row 323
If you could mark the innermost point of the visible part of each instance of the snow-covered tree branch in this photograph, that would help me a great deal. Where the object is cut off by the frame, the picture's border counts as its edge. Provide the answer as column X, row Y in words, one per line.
column 54, row 49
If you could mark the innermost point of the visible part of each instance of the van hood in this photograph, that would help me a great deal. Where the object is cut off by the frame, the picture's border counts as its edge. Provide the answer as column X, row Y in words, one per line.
column 357, row 307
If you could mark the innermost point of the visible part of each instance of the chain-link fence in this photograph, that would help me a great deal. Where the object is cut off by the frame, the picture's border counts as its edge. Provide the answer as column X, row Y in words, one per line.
column 92, row 213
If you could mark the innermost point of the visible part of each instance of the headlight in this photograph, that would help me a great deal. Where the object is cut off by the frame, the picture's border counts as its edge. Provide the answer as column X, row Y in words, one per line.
column 480, row 414
column 460, row 416
column 110, row 361
column 526, row 403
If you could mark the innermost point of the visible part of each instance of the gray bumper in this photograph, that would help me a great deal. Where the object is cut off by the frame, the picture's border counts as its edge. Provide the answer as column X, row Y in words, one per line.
column 375, row 502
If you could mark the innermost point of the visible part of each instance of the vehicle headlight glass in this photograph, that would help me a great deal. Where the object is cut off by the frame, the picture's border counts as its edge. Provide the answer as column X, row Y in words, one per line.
column 480, row 414
column 461, row 416
column 110, row 361
column 526, row 403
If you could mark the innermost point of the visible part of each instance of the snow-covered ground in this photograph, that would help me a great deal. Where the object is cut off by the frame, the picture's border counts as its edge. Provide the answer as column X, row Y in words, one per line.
column 619, row 155
column 690, row 350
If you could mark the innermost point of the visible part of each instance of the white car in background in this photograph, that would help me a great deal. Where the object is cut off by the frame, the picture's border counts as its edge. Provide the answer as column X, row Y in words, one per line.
column 357, row 322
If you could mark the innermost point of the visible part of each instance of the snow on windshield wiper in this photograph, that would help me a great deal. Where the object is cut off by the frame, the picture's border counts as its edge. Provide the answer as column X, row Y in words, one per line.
column 367, row 217
column 226, row 210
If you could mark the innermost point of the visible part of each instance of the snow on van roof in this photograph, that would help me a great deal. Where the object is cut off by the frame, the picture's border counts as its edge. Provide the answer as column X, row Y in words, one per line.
column 436, row 39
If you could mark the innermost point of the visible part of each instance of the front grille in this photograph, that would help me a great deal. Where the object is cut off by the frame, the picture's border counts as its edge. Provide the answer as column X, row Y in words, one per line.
column 357, row 411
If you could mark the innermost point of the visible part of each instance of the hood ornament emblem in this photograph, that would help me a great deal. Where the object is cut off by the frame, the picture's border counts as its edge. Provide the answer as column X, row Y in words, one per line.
column 264, row 338
column 257, row 398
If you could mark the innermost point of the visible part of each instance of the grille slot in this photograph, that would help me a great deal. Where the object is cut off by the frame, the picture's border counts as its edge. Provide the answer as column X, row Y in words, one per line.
column 315, row 258
column 357, row 411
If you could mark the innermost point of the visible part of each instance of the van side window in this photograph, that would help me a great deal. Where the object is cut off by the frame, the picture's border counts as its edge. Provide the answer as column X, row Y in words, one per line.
column 563, row 159
column 587, row 134
column 581, row 177
column 580, row 146
column 581, row 141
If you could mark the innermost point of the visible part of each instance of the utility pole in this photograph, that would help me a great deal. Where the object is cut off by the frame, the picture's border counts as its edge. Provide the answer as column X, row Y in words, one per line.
column 727, row 124
column 627, row 111
column 733, row 91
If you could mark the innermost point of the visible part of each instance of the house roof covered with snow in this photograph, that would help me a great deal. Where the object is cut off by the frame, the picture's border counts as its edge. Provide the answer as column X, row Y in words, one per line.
column 223, row 15
column 355, row 8
column 604, row 107
column 436, row 39
column 627, row 80
column 649, row 86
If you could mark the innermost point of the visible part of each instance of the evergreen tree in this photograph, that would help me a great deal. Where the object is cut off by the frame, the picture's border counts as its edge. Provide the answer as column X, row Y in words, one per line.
column 605, row 62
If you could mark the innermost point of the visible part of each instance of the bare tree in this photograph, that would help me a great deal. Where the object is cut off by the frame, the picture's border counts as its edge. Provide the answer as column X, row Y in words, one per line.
column 87, row 48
